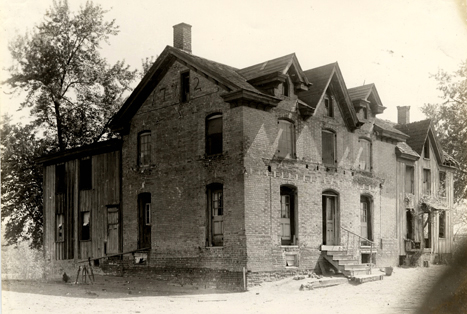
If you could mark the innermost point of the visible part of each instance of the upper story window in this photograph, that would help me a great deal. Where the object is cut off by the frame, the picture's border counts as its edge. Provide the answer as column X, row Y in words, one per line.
column 426, row 149
column 85, row 174
column 328, row 142
column 60, row 179
column 328, row 106
column 365, row 112
column 442, row 184
column 365, row 154
column 426, row 181
column 214, row 134
column 286, row 87
column 286, row 147
column 185, row 86
column 409, row 179
column 144, row 148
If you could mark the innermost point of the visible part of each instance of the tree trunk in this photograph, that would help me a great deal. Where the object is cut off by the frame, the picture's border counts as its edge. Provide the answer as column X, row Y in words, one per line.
column 61, row 143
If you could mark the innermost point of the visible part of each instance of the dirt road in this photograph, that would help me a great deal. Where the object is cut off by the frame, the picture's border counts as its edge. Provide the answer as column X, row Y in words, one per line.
column 403, row 292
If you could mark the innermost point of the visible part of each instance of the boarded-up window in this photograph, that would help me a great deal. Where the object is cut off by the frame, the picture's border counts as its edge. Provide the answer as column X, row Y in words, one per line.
column 144, row 148
column 60, row 228
column 147, row 213
column 328, row 140
column 85, row 174
column 185, row 86
column 426, row 181
column 409, row 179
column 365, row 154
column 286, row 147
column 60, row 179
column 442, row 224
column 214, row 134
column 442, row 184
column 216, row 215
column 85, row 224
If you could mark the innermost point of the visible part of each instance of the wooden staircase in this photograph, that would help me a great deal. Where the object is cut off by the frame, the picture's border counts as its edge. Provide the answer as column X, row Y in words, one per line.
column 347, row 265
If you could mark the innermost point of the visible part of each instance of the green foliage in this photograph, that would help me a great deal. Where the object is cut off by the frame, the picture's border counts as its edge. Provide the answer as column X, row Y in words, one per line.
column 21, row 183
column 72, row 91
column 450, row 120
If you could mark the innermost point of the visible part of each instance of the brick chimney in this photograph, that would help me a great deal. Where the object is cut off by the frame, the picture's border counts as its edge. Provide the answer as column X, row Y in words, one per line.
column 403, row 114
column 182, row 37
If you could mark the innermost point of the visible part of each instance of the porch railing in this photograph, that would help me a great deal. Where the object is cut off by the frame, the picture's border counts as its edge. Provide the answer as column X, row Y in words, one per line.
column 354, row 242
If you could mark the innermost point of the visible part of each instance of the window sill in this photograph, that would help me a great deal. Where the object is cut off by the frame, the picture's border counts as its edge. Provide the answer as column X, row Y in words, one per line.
column 288, row 246
column 291, row 267
column 213, row 247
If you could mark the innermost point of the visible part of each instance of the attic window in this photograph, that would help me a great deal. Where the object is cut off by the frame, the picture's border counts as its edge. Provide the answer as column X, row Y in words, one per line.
column 426, row 149
column 328, row 105
column 185, row 86
column 286, row 87
column 365, row 112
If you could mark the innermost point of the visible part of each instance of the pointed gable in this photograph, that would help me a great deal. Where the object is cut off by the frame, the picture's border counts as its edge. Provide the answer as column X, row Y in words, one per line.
column 224, row 76
column 418, row 133
column 322, row 78
column 366, row 94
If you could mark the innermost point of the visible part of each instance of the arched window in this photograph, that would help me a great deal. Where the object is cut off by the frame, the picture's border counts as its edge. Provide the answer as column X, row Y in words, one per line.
column 328, row 142
column 215, row 221
column 365, row 154
column 144, row 148
column 286, row 148
column 214, row 134
column 288, row 217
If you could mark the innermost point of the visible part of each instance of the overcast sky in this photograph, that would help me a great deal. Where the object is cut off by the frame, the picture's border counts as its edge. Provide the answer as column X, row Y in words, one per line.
column 395, row 44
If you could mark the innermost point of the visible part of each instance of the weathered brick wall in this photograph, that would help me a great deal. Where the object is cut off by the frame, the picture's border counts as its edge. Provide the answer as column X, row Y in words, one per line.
column 178, row 176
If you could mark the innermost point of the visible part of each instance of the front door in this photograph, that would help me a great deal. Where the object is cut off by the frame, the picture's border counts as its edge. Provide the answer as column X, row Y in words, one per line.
column 144, row 213
column 113, row 230
column 330, row 228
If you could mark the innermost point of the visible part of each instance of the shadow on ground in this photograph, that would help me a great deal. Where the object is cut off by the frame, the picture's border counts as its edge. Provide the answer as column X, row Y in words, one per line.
column 108, row 287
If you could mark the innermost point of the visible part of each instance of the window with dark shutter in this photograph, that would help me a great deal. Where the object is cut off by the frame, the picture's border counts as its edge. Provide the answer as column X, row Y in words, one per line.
column 185, row 86
column 214, row 134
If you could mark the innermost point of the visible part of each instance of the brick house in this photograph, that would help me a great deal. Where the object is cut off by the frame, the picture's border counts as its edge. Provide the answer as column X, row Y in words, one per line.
column 268, row 169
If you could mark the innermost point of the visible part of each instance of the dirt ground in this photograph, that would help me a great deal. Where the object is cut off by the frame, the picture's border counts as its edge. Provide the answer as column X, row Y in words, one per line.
column 405, row 291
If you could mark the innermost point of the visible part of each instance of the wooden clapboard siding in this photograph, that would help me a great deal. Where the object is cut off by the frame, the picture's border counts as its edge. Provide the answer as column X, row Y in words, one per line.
column 105, row 193
column 49, row 212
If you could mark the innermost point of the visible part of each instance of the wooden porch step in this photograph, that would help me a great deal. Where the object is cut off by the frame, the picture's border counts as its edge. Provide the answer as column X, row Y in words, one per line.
column 332, row 248
column 357, row 266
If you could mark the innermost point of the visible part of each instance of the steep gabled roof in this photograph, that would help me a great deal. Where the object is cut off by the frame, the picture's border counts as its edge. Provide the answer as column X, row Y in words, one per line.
column 321, row 78
column 278, row 65
column 225, row 76
column 368, row 93
column 418, row 132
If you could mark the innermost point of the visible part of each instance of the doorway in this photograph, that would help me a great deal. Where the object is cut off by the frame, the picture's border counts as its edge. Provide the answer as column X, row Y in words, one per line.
column 144, row 219
column 365, row 220
column 331, row 232
column 113, row 230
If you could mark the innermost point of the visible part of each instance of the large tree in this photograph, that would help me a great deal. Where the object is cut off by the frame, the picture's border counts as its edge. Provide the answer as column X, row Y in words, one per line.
column 450, row 119
column 21, row 183
column 71, row 91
